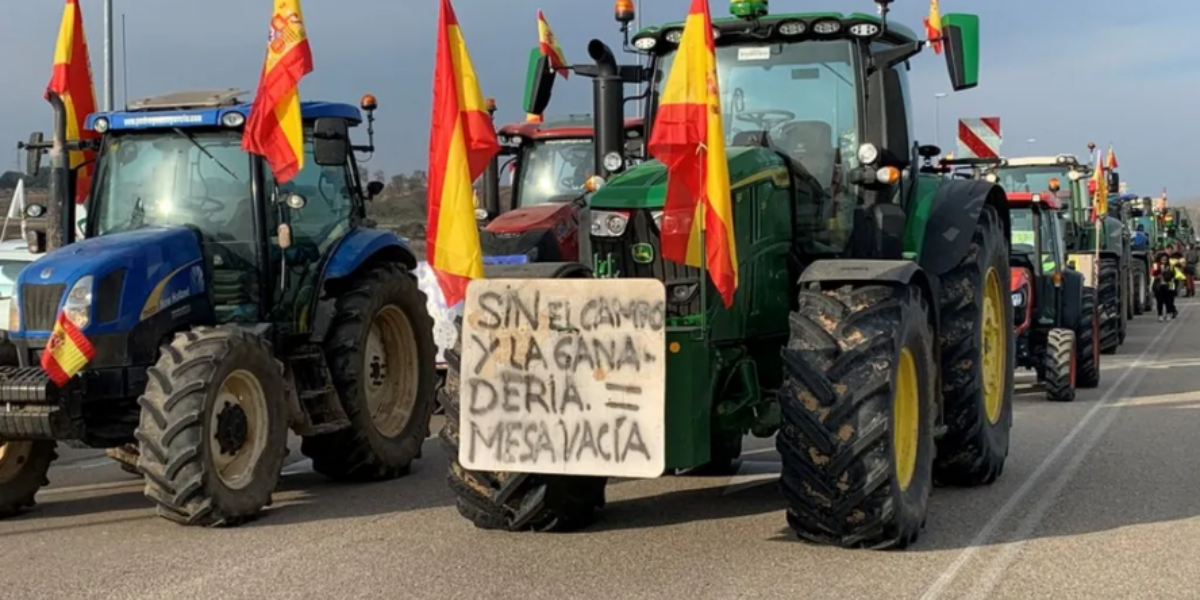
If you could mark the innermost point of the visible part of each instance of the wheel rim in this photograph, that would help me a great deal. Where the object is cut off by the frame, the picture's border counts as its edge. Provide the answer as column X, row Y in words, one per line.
column 13, row 456
column 906, row 414
column 391, row 371
column 238, row 423
column 994, row 347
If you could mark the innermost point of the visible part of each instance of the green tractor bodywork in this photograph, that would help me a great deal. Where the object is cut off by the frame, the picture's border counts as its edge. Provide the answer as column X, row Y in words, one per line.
column 1069, row 179
column 1136, row 213
column 854, row 255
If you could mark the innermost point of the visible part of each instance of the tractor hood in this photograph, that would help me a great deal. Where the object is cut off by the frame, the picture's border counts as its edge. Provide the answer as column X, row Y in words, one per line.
column 529, row 218
column 132, row 268
column 645, row 186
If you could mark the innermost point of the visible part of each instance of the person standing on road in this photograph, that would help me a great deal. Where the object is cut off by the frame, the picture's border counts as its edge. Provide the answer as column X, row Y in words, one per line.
column 1189, row 275
column 1166, row 282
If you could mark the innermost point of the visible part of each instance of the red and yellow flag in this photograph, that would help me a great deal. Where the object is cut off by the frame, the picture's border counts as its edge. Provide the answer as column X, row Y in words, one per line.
column 1100, row 184
column 274, row 129
column 67, row 351
column 689, row 138
column 1110, row 162
column 462, row 140
column 72, row 81
column 550, row 48
column 933, row 26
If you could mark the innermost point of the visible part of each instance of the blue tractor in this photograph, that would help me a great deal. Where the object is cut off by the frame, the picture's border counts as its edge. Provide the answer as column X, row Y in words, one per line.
column 223, row 308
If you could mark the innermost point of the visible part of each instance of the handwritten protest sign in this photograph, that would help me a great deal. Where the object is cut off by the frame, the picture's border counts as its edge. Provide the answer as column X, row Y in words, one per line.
column 564, row 376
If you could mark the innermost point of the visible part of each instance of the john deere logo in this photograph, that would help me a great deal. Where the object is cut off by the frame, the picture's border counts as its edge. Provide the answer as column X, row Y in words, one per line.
column 642, row 253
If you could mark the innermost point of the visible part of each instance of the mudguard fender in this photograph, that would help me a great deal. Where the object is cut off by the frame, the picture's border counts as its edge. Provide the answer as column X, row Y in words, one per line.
column 956, row 207
column 894, row 272
column 361, row 245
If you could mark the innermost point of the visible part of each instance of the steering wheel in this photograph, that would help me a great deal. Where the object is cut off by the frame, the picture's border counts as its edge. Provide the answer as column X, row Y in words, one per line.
column 197, row 203
column 767, row 119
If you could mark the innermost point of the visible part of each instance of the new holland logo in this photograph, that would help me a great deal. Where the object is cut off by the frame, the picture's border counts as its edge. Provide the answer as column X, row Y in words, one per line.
column 642, row 253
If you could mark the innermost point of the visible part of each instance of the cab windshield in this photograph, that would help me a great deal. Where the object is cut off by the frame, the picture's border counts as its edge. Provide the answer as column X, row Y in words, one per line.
column 554, row 171
column 1024, row 236
column 165, row 178
column 1031, row 179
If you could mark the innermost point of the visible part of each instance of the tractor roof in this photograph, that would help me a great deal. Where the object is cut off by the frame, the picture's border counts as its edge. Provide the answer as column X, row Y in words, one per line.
column 1042, row 161
column 896, row 33
column 206, row 108
column 1021, row 199
column 569, row 127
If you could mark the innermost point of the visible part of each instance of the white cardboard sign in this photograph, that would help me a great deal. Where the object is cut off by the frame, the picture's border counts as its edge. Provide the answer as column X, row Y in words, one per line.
column 564, row 376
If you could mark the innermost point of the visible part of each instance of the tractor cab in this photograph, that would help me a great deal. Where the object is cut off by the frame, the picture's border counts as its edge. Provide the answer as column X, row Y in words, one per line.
column 1037, row 255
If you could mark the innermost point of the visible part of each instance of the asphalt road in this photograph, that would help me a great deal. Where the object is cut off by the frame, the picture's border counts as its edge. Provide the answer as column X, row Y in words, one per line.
column 1098, row 500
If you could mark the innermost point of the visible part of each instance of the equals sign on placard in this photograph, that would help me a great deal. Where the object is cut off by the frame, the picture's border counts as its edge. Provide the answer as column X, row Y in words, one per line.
column 623, row 389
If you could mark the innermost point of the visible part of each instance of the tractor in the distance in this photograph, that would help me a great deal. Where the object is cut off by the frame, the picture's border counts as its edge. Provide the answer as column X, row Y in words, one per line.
column 1064, row 176
column 223, row 309
column 1057, row 327
column 1137, row 214
column 875, row 345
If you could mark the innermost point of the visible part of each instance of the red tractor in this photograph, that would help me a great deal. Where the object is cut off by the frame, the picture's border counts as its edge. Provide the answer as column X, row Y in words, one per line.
column 1054, row 313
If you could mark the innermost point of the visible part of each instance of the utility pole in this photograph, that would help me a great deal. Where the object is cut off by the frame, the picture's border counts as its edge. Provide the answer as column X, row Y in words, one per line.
column 108, row 57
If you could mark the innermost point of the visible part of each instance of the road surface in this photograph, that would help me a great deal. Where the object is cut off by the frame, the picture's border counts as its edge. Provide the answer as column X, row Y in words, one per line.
column 1098, row 500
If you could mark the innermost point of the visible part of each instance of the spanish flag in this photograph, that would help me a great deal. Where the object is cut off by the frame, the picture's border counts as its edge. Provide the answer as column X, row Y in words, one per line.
column 274, row 129
column 550, row 48
column 462, row 140
column 66, row 352
column 933, row 26
column 1110, row 162
column 689, row 138
column 1100, row 183
column 72, row 81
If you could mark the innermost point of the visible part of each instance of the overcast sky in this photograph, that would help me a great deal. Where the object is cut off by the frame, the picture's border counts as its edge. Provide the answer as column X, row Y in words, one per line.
column 1061, row 72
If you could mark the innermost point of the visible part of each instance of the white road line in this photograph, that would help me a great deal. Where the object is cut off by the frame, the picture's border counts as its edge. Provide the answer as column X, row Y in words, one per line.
column 1009, row 552
column 753, row 473
column 989, row 529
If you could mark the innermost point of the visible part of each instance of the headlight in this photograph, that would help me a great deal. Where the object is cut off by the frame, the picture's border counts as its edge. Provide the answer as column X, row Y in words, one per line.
column 864, row 30
column 1018, row 299
column 674, row 36
column 613, row 162
column 792, row 28
column 608, row 224
column 827, row 27
column 645, row 43
column 657, row 217
column 100, row 125
column 233, row 119
column 78, row 305
column 682, row 293
column 868, row 154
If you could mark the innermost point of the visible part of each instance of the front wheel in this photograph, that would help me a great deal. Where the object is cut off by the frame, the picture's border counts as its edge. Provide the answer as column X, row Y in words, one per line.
column 1060, row 365
column 213, row 431
column 23, row 469
column 858, row 407
column 380, row 353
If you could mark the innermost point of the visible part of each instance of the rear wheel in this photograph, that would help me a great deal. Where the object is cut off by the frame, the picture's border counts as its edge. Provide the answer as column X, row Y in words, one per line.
column 380, row 353
column 1060, row 365
column 1087, row 342
column 213, row 429
column 858, row 408
column 1139, row 289
column 23, row 469
column 977, row 356
column 1109, row 306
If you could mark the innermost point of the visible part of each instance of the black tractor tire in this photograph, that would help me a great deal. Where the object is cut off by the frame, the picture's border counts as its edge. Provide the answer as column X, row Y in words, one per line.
column 385, row 300
column 1148, row 290
column 1109, row 298
column 189, row 416
column 1127, row 294
column 126, row 457
column 976, row 443
column 23, row 469
column 1139, row 289
column 1060, row 365
column 512, row 501
column 1087, row 342
column 846, row 478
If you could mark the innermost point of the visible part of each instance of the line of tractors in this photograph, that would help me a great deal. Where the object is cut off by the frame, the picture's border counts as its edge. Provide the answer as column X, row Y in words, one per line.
column 884, row 300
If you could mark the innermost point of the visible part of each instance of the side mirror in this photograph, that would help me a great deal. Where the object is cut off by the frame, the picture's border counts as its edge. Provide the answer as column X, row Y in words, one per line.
column 960, row 36
column 539, row 83
column 33, row 154
column 374, row 188
column 331, row 142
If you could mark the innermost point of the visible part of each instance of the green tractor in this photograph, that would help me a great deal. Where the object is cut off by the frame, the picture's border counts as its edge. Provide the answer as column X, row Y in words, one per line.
column 1115, row 284
column 1136, row 213
column 871, row 332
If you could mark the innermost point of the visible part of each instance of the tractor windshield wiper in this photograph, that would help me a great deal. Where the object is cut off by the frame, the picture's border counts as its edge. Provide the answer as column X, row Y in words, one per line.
column 206, row 153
